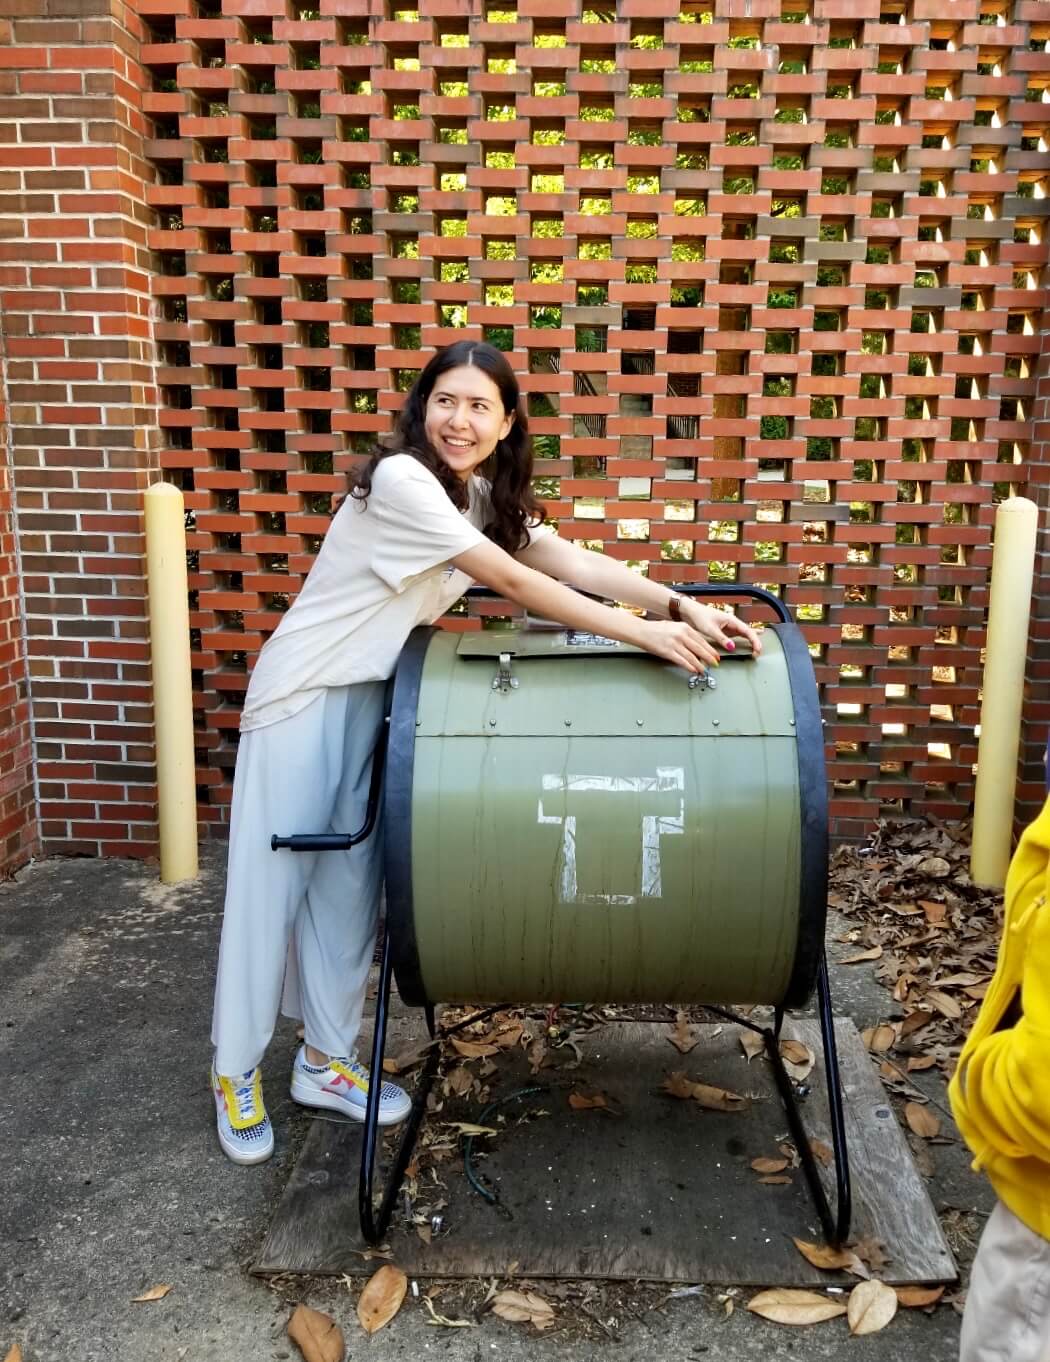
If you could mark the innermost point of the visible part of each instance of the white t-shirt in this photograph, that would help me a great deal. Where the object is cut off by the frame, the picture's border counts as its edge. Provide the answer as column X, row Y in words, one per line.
column 383, row 568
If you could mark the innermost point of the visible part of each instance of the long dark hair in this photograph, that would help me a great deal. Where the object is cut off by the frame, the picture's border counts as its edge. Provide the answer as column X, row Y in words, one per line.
column 508, row 468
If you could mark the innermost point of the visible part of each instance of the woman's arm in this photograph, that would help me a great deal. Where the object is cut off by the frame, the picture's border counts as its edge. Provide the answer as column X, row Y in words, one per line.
column 606, row 576
column 681, row 644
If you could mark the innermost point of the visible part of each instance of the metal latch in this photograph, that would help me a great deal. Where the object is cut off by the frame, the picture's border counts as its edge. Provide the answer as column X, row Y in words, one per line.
column 703, row 681
column 504, row 680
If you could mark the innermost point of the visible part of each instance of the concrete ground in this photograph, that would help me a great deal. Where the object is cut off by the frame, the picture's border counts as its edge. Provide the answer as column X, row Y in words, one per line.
column 112, row 1181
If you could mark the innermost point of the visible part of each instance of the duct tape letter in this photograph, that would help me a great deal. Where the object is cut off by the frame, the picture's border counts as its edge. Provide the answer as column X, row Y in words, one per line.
column 654, row 827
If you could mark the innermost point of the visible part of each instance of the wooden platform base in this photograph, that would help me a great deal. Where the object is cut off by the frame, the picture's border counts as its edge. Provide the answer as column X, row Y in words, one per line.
column 662, row 1191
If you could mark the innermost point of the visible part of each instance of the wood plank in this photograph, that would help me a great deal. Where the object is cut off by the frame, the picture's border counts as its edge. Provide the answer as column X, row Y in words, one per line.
column 663, row 1191
column 887, row 1187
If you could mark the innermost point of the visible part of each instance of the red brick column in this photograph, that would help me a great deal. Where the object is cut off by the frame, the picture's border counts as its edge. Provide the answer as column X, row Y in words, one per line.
column 79, row 372
column 18, row 822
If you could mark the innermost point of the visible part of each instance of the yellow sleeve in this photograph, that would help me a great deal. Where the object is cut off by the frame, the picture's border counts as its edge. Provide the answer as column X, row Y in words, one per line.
column 1004, row 1084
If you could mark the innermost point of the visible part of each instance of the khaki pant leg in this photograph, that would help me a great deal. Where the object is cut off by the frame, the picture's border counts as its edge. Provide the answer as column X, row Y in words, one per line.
column 1007, row 1316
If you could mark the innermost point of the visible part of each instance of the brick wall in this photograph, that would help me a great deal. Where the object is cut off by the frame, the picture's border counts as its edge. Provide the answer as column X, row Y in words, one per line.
column 18, row 822
column 79, row 375
column 773, row 277
column 1035, row 730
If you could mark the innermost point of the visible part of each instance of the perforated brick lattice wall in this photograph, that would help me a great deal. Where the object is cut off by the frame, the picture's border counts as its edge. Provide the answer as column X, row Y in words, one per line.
column 772, row 276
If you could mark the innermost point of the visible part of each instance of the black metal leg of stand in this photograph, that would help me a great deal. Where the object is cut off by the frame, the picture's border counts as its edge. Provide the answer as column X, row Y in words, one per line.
column 374, row 1226
column 836, row 1227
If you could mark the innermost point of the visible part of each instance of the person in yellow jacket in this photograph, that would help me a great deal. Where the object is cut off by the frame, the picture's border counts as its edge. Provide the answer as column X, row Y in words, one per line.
column 1000, row 1095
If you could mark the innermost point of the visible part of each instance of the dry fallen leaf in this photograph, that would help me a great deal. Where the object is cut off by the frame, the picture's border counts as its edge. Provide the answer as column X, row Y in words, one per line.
column 823, row 1153
column 752, row 1044
column 935, row 912
column 682, row 1037
column 915, row 1297
column 15, row 1355
column 677, row 1085
column 381, row 1299
column 825, row 1257
column 790, row 1153
column 708, row 1096
column 776, row 1180
column 915, row 1021
column 595, row 1101
column 444, row 1320
column 785, row 1306
column 460, row 1080
column 871, row 1306
column 536, row 1054
column 407, row 1059
column 798, row 1059
column 921, row 1120
column 830, row 1259
column 944, row 1003
column 875, row 953
column 509, row 1036
column 523, row 1307
column 879, row 1038
column 473, row 1049
column 470, row 1128
column 961, row 978
column 155, row 1293
column 317, row 1336
column 871, row 1251
column 763, row 1165
column 918, row 1062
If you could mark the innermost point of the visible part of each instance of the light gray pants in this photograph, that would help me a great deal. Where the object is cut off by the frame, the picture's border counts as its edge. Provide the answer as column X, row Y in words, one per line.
column 1007, row 1315
column 304, row 922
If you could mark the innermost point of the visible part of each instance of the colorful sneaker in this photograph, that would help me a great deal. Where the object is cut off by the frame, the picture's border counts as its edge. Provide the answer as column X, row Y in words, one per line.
column 244, row 1128
column 342, row 1085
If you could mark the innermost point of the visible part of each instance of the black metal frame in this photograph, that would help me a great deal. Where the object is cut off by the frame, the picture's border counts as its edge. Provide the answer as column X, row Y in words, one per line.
column 813, row 880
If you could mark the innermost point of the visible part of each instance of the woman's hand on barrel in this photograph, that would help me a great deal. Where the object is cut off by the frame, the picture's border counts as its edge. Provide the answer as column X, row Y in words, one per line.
column 679, row 643
column 718, row 626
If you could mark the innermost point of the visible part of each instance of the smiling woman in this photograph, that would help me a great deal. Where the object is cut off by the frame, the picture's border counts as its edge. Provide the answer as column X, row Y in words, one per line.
column 465, row 419
column 465, row 414
column 445, row 500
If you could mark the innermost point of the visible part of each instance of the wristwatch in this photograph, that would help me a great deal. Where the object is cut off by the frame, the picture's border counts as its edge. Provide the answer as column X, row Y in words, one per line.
column 674, row 607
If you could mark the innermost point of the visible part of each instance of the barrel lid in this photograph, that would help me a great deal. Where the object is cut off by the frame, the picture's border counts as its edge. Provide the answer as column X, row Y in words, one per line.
column 521, row 683
column 544, row 642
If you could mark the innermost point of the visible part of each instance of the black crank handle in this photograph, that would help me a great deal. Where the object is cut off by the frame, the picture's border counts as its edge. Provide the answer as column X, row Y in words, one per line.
column 314, row 841
column 756, row 593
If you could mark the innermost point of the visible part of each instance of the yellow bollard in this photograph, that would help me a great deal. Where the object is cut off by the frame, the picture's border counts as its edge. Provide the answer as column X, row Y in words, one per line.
column 1009, row 607
column 169, row 624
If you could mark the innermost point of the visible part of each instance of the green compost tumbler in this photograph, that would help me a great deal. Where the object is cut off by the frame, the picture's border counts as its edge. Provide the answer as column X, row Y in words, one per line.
column 567, row 818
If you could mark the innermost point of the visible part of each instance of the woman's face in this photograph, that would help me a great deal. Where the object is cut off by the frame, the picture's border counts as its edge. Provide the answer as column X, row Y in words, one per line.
column 465, row 418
